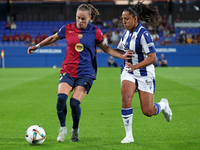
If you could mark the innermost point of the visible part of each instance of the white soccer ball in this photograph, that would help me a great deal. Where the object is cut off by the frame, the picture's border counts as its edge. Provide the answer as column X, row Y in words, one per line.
column 35, row 135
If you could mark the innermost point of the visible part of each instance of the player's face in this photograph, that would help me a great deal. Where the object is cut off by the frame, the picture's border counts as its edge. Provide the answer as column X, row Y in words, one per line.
column 82, row 19
column 130, row 22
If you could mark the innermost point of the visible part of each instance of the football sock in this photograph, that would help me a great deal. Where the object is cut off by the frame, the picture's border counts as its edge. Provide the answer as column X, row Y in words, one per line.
column 62, row 108
column 76, row 112
column 127, row 116
column 158, row 108
column 162, row 105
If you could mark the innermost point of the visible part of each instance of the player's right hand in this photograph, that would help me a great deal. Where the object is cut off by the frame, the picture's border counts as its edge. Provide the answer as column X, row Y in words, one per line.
column 128, row 54
column 31, row 49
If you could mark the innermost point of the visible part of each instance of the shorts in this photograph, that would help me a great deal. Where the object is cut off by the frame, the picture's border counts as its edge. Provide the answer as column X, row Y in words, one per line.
column 85, row 82
column 143, row 83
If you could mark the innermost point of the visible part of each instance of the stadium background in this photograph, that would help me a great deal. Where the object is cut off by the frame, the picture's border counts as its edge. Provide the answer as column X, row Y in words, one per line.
column 43, row 16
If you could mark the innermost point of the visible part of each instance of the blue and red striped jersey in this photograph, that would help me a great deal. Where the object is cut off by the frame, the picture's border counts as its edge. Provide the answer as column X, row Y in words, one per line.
column 80, row 59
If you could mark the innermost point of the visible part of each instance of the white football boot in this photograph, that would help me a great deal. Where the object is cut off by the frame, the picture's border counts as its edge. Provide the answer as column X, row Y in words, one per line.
column 62, row 132
column 167, row 112
column 128, row 139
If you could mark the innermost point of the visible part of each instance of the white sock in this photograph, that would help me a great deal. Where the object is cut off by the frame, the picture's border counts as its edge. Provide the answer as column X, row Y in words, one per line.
column 162, row 105
column 127, row 117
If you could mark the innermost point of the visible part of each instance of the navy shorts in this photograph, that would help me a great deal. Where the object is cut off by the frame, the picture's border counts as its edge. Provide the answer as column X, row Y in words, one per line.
column 85, row 82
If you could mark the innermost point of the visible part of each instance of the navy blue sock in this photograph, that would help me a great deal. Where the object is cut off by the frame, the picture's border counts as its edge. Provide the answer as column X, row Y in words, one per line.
column 62, row 108
column 76, row 112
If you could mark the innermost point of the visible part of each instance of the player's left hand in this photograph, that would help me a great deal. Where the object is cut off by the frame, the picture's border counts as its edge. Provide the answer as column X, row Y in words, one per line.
column 128, row 54
column 130, row 67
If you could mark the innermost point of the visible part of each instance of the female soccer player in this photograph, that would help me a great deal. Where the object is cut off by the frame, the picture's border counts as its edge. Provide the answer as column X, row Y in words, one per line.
column 79, row 66
column 138, row 73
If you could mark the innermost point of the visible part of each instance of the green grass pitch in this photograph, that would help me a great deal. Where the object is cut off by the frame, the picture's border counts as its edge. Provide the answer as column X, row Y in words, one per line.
column 28, row 97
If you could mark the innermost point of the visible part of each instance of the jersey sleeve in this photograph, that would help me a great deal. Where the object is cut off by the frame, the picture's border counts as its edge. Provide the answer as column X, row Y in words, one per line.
column 147, row 43
column 99, row 36
column 61, row 32
column 120, row 46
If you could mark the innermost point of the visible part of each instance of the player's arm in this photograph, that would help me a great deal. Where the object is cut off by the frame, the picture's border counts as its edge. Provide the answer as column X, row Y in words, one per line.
column 49, row 40
column 146, row 62
column 107, row 49
column 148, row 46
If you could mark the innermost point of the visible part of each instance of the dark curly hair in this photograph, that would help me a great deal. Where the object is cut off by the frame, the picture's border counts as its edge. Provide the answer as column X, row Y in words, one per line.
column 148, row 14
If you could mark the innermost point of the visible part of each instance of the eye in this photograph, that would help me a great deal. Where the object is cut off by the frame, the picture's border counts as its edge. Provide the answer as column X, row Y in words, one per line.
column 126, row 19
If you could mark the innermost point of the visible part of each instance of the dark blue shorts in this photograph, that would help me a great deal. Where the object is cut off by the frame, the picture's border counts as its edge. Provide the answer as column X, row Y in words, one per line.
column 85, row 82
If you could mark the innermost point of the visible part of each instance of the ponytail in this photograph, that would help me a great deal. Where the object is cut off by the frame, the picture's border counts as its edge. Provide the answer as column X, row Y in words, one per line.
column 94, row 12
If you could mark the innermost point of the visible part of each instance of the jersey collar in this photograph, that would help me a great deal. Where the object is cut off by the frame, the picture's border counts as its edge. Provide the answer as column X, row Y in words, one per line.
column 82, row 29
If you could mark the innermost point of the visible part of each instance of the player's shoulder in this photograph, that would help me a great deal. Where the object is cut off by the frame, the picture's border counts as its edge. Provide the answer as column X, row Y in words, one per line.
column 70, row 25
column 143, row 32
column 93, row 27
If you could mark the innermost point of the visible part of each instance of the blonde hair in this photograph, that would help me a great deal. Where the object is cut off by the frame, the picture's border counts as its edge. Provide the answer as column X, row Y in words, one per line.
column 91, row 9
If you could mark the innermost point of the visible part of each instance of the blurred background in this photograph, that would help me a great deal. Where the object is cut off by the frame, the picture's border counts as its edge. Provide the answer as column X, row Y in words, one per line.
column 27, row 22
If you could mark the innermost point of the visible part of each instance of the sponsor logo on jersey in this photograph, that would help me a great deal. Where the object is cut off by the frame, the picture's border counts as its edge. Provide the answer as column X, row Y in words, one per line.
column 126, row 46
column 79, row 47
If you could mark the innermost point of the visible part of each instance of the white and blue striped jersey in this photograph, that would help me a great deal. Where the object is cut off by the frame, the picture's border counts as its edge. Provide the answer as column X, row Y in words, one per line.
column 140, row 42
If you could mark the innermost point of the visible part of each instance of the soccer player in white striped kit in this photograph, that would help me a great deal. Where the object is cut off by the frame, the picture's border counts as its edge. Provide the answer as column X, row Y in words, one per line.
column 138, row 73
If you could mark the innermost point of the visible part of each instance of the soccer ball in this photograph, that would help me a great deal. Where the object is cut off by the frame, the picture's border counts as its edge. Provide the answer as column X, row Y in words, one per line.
column 35, row 135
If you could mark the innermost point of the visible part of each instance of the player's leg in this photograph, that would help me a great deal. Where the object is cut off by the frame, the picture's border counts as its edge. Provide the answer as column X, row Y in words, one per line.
column 82, row 87
column 146, row 86
column 64, row 89
column 149, row 108
column 147, row 104
column 127, row 90
column 77, row 97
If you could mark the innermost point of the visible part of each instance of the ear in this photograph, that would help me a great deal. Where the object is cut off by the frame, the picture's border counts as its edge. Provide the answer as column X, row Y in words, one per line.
column 136, row 18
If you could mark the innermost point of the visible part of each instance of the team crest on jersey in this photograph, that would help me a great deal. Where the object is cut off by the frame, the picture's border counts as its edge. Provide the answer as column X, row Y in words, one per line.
column 133, row 37
column 80, row 36
column 79, row 47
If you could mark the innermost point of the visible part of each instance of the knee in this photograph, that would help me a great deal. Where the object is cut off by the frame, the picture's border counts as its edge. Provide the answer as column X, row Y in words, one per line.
column 61, row 102
column 148, row 112
column 75, row 107
column 74, row 103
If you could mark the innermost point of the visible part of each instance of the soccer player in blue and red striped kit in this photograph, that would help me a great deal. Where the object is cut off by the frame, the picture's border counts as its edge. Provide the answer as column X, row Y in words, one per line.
column 79, row 67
